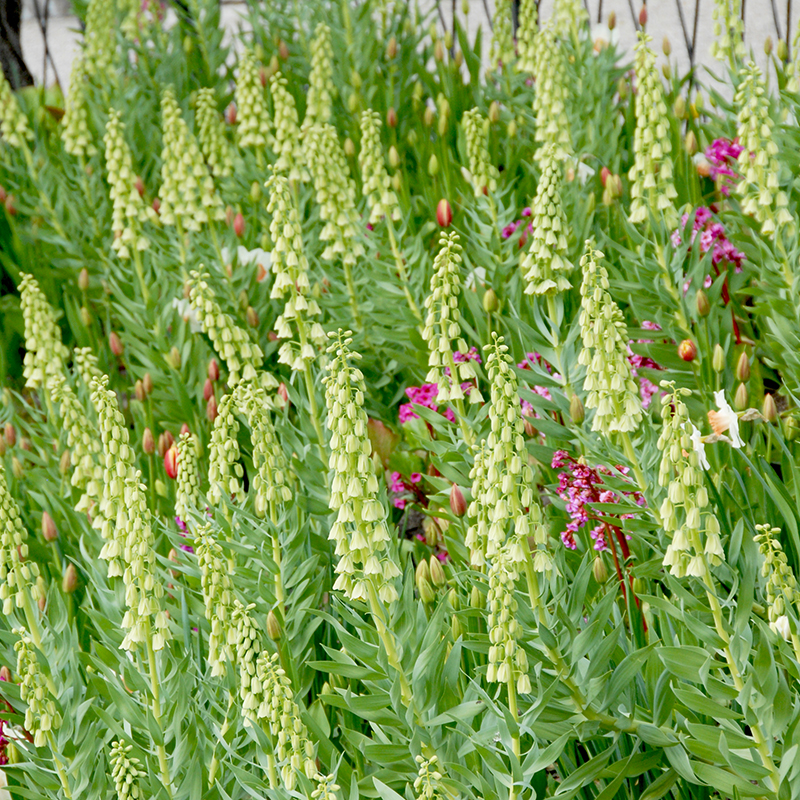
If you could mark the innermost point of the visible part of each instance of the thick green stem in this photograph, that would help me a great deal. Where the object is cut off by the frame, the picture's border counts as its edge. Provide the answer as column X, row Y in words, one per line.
column 214, row 766
column 62, row 774
column 156, row 709
column 401, row 269
column 351, row 293
column 137, row 263
column 388, row 643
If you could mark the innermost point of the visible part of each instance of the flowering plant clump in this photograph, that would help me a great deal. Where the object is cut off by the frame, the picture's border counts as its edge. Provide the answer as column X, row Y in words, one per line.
column 397, row 411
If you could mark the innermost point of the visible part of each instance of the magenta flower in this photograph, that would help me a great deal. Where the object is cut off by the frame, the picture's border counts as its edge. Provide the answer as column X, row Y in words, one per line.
column 722, row 155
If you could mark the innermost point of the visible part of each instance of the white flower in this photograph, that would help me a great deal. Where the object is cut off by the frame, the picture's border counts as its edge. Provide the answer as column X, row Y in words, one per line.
column 781, row 627
column 478, row 275
column 603, row 37
column 262, row 258
column 725, row 419
column 699, row 447
column 584, row 172
column 188, row 314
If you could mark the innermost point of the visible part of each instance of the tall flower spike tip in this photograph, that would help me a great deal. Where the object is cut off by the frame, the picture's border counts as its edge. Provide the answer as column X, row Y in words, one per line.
column 326, row 787
column 552, row 92
column 129, row 211
column 570, row 15
column 224, row 470
column 335, row 192
column 442, row 329
column 13, row 123
column 651, row 174
column 527, row 31
column 502, row 48
column 360, row 532
column 42, row 717
column 188, row 195
column 609, row 383
column 18, row 573
column 759, row 188
column 484, row 173
column 45, row 354
column 477, row 538
column 101, row 42
column 288, row 145
column 187, row 498
column 427, row 785
column 218, row 598
column 211, row 134
column 684, row 511
column 125, row 771
column 793, row 67
column 248, row 643
column 546, row 263
column 381, row 200
column 290, row 266
column 319, row 100
column 728, row 30
column 781, row 588
column 254, row 124
column 75, row 133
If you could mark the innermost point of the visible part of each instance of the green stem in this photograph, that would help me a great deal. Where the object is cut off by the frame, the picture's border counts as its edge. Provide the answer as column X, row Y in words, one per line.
column 62, row 775
column 137, row 263
column 469, row 436
column 401, row 269
column 388, row 643
column 156, row 709
column 630, row 454
column 512, row 709
column 280, row 595
column 351, row 291
column 214, row 766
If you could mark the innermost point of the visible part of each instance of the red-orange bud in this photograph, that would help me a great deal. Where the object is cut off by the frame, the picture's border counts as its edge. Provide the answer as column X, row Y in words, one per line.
column 238, row 224
column 213, row 370
column 171, row 462
column 458, row 505
column 208, row 389
column 687, row 350
column 444, row 214
column 211, row 408
column 115, row 343
column 230, row 113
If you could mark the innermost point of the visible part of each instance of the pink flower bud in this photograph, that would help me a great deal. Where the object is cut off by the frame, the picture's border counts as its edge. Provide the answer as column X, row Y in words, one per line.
column 230, row 113
column 115, row 343
column 213, row 370
column 148, row 442
column 444, row 214
column 458, row 505
column 283, row 393
column 139, row 186
column 211, row 409
column 171, row 462
column 185, row 428
column 208, row 389
column 49, row 530
column 238, row 224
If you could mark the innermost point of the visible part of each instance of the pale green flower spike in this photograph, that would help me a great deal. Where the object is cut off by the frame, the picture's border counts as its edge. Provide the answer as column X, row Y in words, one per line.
column 546, row 263
column 129, row 543
column 254, row 124
column 552, row 92
column 442, row 329
column 484, row 173
column 509, row 479
column 211, row 134
column 85, row 362
column 502, row 49
column 42, row 718
column 187, row 498
column 129, row 209
column 759, row 188
column 569, row 15
column 507, row 660
column 288, row 146
column 527, row 31
column 290, row 267
column 247, row 641
column 684, row 511
column 218, row 597
column 651, row 174
column 609, row 383
column 728, row 30
column 78, row 139
column 125, row 772
column 326, row 787
column 13, row 123
column 361, row 532
column 381, row 200
column 477, row 537
column 335, row 193
column 84, row 448
column 224, row 470
column 279, row 714
column 319, row 100
column 271, row 481
column 427, row 785
column 188, row 196
column 45, row 354
column 793, row 67
column 241, row 355
column 17, row 574
column 781, row 588
column 101, row 42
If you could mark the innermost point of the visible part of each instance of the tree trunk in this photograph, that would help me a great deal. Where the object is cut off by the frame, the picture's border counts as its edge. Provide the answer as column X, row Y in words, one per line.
column 14, row 66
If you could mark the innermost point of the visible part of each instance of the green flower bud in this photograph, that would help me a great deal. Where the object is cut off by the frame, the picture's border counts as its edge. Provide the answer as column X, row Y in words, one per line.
column 718, row 359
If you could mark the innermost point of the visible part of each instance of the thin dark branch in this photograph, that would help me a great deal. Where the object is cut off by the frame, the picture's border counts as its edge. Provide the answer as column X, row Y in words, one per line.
column 689, row 43
column 600, row 12
column 441, row 15
column 777, row 19
column 634, row 15
column 43, row 20
column 488, row 15
column 788, row 29
column 694, row 32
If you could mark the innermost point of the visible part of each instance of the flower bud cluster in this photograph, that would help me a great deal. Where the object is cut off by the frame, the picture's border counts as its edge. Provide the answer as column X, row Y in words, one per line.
column 684, row 511
column 224, row 470
column 218, row 597
column 781, row 588
column 477, row 538
column 290, row 265
column 793, row 67
column 546, row 262
column 45, row 354
column 427, row 785
column 125, row 772
column 241, row 355
column 271, row 481
column 101, row 41
column 319, row 100
column 758, row 164
column 728, row 30
column 381, row 200
column 326, row 787
column 78, row 140
column 41, row 717
column 129, row 209
column 254, row 125
column 188, row 196
column 569, row 15
column 129, row 542
column 288, row 145
column 17, row 574
column 360, row 531
column 651, row 174
column 211, row 134
column 442, row 330
column 335, row 192
column 187, row 497
column 484, row 173
column 502, row 48
column 13, row 123
column 247, row 636
column 85, row 362
column 609, row 382
column 552, row 92
column 527, row 31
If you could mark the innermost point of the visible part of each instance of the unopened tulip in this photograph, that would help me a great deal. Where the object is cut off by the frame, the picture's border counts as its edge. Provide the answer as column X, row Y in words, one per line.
column 148, row 442
column 687, row 350
column 208, row 389
column 273, row 627
column 83, row 279
column 741, row 398
column 283, row 393
column 115, row 343
column 438, row 577
column 703, row 304
column 211, row 408
column 251, row 317
column 391, row 48
column 70, row 580
column 577, row 412
column 10, row 434
column 139, row 186
column 185, row 428
column 458, row 505
column 770, row 409
column 643, row 16
column 743, row 368
column 238, row 224
column 444, row 214
column 171, row 462
column 599, row 570
column 49, row 530
column 718, row 359
column 391, row 118
column 283, row 51
column 138, row 391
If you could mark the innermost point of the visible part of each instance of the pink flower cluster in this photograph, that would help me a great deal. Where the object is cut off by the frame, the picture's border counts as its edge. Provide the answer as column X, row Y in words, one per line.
column 722, row 154
column 513, row 227
column 646, row 387
column 398, row 487
column 579, row 485
column 712, row 237
column 542, row 391
column 425, row 396
column 3, row 740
